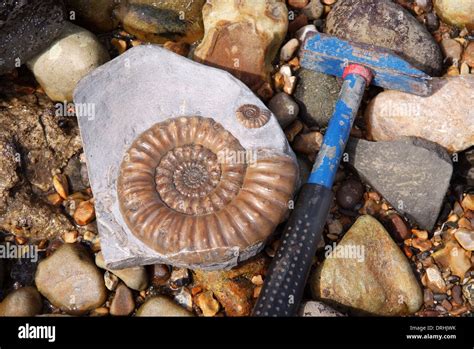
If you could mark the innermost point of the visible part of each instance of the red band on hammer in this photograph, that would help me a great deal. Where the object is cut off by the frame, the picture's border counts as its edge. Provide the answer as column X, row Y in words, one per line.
column 358, row 70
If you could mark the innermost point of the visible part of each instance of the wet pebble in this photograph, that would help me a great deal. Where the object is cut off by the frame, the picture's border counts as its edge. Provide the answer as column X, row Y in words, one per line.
column 434, row 280
column 122, row 303
column 180, row 277
column 136, row 277
column 314, row 9
column 289, row 49
column 70, row 281
column 25, row 301
column 350, row 193
column 162, row 306
column 73, row 55
column 160, row 274
column 452, row 50
column 396, row 226
column 207, row 303
column 285, row 108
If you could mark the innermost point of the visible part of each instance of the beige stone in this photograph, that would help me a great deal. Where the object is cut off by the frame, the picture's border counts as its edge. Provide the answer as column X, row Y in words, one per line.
column 456, row 12
column 70, row 280
column 446, row 117
column 70, row 57
column 381, row 283
column 162, row 306
column 25, row 301
column 243, row 37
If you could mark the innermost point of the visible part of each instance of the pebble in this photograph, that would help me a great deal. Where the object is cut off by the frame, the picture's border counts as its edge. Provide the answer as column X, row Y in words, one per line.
column 289, row 81
column 464, row 70
column 314, row 10
column 468, row 292
column 459, row 13
column 316, row 94
column 304, row 31
column 288, row 50
column 207, row 303
column 160, row 274
column 308, row 143
column 96, row 15
column 122, row 303
column 318, row 309
column 432, row 21
column 73, row 55
column 184, row 298
column 384, row 165
column 452, row 50
column 422, row 244
column 396, row 29
column 465, row 238
column 70, row 281
column 180, row 277
column 434, row 280
column 60, row 184
column 243, row 38
column 456, row 293
column 350, row 194
column 162, row 306
column 84, row 213
column 298, row 4
column 468, row 56
column 396, row 226
column 454, row 257
column 285, row 108
column 25, row 301
column 160, row 21
column 428, row 297
column 378, row 280
column 136, row 277
column 468, row 202
column 111, row 281
column 29, row 27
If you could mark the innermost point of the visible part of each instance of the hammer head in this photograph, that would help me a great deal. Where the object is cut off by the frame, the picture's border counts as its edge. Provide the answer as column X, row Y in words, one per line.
column 330, row 55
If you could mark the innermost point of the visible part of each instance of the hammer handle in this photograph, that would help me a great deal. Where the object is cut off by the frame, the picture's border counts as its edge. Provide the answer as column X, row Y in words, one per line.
column 286, row 279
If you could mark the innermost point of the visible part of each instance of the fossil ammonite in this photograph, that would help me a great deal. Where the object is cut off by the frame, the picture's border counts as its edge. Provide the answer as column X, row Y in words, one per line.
column 252, row 116
column 186, row 187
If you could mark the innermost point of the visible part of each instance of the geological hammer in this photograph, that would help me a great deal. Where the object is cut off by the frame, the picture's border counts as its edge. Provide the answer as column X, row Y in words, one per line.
column 359, row 65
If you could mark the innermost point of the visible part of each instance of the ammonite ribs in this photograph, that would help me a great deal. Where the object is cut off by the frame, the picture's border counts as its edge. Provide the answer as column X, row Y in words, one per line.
column 252, row 116
column 181, row 192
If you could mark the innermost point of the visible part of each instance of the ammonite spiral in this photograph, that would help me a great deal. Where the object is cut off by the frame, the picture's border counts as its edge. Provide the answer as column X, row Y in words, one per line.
column 252, row 116
column 180, row 192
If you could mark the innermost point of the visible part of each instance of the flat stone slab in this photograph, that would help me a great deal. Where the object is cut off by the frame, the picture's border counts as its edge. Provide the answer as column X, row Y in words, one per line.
column 147, row 85
column 412, row 174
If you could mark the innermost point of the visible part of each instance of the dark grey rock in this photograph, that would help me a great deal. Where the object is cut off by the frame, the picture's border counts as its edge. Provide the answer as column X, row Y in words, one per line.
column 350, row 193
column 386, row 24
column 285, row 108
column 412, row 174
column 316, row 94
column 26, row 28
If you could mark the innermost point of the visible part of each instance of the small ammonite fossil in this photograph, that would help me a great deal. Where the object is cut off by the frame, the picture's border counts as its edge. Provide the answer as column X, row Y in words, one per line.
column 181, row 195
column 252, row 116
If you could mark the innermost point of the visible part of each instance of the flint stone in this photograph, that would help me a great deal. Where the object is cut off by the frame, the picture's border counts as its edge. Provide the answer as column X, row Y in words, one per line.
column 386, row 24
column 380, row 283
column 156, row 85
column 393, row 114
column 412, row 174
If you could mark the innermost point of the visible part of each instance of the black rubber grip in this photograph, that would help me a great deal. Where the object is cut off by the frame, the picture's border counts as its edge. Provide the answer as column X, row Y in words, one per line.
column 286, row 278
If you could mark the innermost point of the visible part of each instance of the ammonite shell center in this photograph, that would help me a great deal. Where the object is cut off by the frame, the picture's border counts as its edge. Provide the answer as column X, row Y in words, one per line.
column 192, row 172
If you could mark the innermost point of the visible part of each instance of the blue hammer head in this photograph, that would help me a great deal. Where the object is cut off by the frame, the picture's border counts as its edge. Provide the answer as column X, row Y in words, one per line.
column 330, row 55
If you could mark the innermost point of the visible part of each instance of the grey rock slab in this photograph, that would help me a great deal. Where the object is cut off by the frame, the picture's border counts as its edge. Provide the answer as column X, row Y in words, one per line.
column 128, row 95
column 413, row 174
